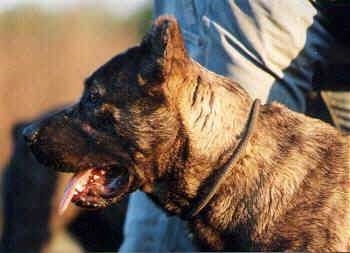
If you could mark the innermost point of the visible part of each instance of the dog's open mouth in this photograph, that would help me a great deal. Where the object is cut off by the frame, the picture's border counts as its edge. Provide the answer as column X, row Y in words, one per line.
column 95, row 188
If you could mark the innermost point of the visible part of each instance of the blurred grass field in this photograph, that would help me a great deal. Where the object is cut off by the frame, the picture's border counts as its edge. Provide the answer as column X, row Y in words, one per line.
column 45, row 57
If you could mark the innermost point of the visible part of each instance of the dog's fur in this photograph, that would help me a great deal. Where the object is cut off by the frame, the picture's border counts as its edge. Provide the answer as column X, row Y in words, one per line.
column 172, row 124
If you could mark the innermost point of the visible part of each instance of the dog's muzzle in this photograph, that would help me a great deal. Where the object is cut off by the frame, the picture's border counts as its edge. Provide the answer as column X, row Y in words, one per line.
column 30, row 133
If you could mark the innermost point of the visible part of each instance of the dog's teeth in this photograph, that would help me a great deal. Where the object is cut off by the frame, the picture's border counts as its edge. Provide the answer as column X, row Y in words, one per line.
column 83, row 199
column 79, row 188
column 77, row 183
column 103, row 172
column 96, row 177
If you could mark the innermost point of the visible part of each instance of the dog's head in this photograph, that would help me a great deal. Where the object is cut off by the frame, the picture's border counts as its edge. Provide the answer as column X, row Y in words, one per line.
column 141, row 117
column 116, row 137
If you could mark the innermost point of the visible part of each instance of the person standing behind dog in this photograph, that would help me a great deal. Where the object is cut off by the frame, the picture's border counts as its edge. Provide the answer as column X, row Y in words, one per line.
column 270, row 47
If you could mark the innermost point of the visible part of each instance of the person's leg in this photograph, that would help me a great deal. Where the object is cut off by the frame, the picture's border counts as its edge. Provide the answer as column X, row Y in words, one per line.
column 269, row 47
column 149, row 229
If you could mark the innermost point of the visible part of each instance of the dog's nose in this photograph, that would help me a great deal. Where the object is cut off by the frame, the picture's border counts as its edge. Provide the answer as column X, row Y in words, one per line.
column 30, row 133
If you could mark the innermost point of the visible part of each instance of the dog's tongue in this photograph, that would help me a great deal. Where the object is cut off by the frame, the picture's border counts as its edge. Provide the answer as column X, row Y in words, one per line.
column 78, row 180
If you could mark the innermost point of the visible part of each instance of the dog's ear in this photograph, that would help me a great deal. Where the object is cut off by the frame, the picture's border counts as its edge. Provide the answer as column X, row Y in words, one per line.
column 164, row 53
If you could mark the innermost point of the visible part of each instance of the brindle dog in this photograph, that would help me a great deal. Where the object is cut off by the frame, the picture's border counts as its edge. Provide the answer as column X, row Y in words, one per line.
column 154, row 119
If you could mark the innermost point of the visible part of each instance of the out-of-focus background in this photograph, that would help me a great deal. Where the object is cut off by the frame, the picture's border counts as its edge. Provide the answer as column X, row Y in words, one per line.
column 47, row 49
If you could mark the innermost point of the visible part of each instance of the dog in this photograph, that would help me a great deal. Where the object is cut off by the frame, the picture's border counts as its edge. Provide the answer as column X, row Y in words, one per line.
column 246, row 177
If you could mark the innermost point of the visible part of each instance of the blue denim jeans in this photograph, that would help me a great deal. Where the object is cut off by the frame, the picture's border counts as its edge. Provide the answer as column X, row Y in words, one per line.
column 270, row 47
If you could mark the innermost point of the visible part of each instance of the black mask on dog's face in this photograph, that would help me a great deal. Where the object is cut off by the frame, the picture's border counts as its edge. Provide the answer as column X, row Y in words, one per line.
column 113, row 136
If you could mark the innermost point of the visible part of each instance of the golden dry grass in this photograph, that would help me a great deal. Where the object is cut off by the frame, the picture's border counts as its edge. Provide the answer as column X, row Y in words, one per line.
column 45, row 58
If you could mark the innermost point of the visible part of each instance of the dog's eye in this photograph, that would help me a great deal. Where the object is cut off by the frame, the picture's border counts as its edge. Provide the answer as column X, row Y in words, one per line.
column 94, row 97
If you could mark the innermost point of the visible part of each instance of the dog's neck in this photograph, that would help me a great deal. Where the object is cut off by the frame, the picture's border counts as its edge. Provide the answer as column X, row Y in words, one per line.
column 214, row 112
